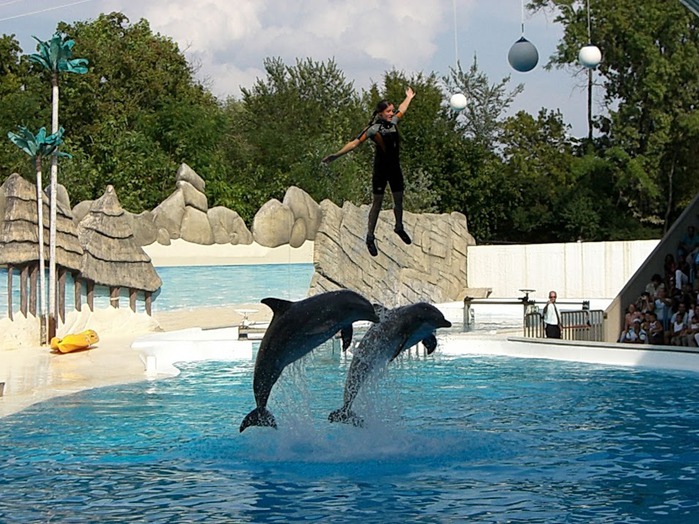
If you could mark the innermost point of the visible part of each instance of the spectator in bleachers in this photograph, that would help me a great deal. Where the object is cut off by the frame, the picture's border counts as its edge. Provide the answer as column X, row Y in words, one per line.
column 632, row 314
column 663, row 306
column 652, row 287
column 656, row 333
column 635, row 334
column 669, row 268
column 692, row 329
column 681, row 273
column 678, row 325
column 644, row 303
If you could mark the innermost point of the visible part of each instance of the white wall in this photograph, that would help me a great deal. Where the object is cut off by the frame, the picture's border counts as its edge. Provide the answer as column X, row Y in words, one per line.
column 574, row 270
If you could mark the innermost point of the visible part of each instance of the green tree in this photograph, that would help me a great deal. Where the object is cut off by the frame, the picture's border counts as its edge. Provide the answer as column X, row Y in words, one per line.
column 291, row 119
column 137, row 116
column 483, row 116
column 650, row 77
column 20, row 99
column 538, row 156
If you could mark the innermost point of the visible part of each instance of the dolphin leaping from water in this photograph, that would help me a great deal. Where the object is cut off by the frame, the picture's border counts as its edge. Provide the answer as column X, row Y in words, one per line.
column 399, row 329
column 295, row 330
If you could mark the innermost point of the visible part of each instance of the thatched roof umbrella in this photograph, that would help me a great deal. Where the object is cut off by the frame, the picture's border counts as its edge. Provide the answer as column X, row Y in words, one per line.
column 112, row 257
column 19, row 240
column 19, row 233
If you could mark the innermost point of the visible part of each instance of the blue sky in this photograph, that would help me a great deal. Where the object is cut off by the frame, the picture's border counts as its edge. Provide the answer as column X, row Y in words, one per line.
column 228, row 40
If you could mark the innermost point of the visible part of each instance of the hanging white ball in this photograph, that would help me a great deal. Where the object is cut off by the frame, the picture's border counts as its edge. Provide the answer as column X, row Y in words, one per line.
column 523, row 56
column 458, row 102
column 590, row 56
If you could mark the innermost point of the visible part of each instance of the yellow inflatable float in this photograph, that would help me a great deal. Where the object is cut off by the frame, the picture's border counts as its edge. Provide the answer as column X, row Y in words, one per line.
column 75, row 341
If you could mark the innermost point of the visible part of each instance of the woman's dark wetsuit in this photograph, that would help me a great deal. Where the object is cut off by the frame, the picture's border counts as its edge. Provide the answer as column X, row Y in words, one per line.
column 386, row 159
column 387, row 171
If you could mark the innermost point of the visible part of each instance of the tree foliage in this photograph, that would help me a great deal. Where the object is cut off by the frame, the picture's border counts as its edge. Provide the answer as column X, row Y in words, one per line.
column 140, row 112
column 650, row 79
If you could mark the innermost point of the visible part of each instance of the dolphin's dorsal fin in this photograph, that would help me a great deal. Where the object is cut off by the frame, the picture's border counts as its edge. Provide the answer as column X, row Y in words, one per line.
column 430, row 344
column 279, row 306
column 346, row 335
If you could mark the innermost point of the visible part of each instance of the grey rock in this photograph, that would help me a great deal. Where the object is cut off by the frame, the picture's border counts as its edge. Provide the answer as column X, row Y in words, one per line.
column 163, row 237
column 432, row 268
column 227, row 226
column 143, row 225
column 80, row 210
column 187, row 174
column 196, row 227
column 304, row 208
column 168, row 214
column 298, row 234
column 192, row 197
column 272, row 224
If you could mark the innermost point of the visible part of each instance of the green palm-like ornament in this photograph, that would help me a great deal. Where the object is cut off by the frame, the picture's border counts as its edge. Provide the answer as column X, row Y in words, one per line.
column 55, row 55
column 38, row 147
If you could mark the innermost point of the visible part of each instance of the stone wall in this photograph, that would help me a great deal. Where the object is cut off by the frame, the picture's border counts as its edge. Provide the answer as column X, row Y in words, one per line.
column 432, row 268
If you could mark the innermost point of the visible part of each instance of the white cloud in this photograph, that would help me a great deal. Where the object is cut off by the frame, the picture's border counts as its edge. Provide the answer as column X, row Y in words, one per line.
column 229, row 39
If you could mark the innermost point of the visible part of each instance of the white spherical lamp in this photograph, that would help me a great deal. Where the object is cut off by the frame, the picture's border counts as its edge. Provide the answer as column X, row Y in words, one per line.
column 523, row 56
column 458, row 102
column 590, row 56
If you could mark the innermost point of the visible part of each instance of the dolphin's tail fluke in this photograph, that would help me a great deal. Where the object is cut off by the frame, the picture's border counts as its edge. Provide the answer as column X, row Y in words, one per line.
column 258, row 417
column 346, row 416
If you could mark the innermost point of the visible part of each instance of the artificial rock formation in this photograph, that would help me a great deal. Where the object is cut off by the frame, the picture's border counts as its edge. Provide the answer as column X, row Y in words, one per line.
column 292, row 221
column 432, row 268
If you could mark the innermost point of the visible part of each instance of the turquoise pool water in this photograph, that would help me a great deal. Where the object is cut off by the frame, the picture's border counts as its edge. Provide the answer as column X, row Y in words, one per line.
column 186, row 287
column 471, row 439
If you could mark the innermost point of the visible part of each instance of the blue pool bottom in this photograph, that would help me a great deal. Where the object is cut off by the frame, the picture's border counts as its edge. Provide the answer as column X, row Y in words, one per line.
column 477, row 439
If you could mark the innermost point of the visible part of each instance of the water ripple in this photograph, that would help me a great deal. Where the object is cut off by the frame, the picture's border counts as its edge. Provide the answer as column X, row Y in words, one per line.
column 448, row 439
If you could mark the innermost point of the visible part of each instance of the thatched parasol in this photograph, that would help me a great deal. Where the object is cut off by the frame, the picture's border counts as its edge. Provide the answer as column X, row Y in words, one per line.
column 112, row 257
column 19, row 237
column 19, row 232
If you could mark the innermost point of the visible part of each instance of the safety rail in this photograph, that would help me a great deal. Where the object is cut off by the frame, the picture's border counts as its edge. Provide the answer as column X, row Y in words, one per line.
column 578, row 324
column 585, row 324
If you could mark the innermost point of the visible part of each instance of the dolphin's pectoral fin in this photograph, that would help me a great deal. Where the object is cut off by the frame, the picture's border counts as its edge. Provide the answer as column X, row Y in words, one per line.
column 430, row 344
column 346, row 416
column 346, row 335
column 258, row 417
column 277, row 305
column 400, row 347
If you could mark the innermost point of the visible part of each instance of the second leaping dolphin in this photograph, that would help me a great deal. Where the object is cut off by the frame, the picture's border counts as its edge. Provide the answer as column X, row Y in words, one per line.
column 399, row 329
column 295, row 330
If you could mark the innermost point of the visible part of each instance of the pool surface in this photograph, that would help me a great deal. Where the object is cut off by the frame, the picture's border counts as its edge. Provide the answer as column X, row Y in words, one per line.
column 188, row 287
column 448, row 439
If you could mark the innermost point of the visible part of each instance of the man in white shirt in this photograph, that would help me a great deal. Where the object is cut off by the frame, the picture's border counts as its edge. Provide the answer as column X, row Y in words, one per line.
column 552, row 319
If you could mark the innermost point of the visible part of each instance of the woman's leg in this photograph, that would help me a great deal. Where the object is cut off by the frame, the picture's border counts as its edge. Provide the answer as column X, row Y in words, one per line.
column 371, row 226
column 398, row 214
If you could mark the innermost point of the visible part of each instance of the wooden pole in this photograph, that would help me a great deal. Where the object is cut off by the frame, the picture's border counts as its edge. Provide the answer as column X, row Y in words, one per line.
column 10, row 270
column 23, row 291
column 133, row 294
column 78, row 284
column 114, row 297
column 91, row 295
